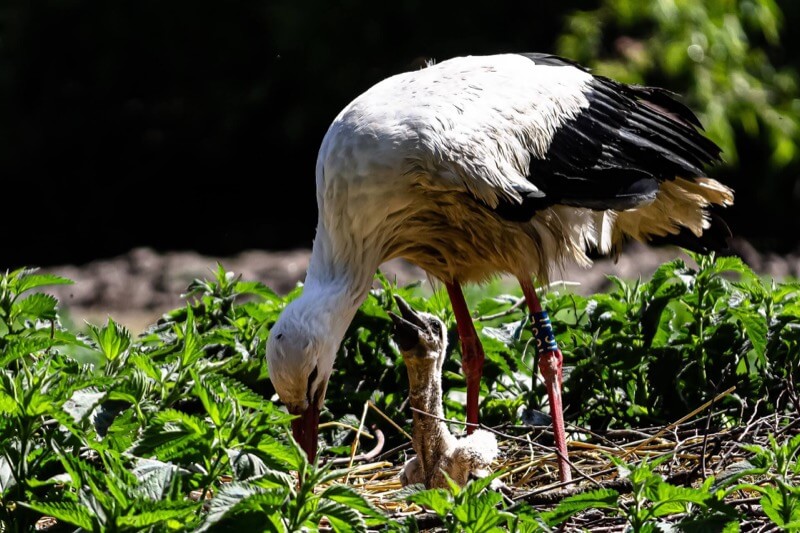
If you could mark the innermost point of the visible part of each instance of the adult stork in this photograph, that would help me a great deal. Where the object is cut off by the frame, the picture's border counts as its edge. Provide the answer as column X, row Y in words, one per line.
column 478, row 166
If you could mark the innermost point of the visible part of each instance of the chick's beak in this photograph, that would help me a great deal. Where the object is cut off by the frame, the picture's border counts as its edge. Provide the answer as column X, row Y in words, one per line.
column 305, row 430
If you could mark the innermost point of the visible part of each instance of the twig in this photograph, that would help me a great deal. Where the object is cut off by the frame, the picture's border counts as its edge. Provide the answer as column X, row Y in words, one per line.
column 392, row 422
column 345, row 426
column 705, row 440
column 367, row 456
column 750, row 424
column 551, row 497
column 681, row 420
column 623, row 486
column 516, row 305
column 519, row 301
column 394, row 450
column 448, row 420
column 593, row 434
column 356, row 440
column 788, row 426
column 512, row 437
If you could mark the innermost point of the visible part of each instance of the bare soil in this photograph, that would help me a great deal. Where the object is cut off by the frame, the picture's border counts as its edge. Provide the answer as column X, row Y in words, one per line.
column 137, row 287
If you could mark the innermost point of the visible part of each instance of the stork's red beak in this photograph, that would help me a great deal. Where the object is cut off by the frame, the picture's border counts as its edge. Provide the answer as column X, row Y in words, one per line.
column 305, row 430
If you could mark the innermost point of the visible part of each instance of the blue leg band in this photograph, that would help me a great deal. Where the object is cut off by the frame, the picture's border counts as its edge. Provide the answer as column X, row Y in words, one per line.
column 543, row 332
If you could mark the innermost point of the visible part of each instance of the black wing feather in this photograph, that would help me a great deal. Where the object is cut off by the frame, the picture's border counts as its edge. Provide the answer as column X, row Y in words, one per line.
column 614, row 154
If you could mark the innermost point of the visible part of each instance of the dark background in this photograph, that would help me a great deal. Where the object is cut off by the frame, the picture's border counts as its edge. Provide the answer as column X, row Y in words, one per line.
column 195, row 125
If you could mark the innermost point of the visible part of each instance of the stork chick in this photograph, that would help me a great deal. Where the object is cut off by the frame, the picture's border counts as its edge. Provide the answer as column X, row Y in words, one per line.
column 422, row 339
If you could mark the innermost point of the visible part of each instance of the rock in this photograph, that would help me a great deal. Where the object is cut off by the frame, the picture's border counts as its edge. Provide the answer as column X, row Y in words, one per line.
column 136, row 288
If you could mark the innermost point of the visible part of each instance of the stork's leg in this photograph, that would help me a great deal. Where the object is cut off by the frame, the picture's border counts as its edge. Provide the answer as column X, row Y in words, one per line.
column 471, row 352
column 550, row 363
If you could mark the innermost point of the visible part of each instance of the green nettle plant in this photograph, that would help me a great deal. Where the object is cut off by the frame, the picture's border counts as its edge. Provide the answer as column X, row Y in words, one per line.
column 651, row 500
column 772, row 472
column 718, row 52
column 661, row 348
column 176, row 430
column 472, row 508
column 729, row 61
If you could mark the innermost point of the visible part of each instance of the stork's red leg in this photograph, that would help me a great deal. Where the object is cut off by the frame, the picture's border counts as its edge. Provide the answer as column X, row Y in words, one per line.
column 550, row 363
column 471, row 352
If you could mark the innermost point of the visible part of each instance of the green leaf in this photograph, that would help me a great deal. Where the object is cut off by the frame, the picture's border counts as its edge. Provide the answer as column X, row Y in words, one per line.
column 491, row 306
column 112, row 339
column 480, row 513
column 210, row 402
column 155, row 477
column 734, row 472
column 343, row 519
column 526, row 519
column 278, row 453
column 594, row 499
column 256, row 288
column 782, row 510
column 192, row 347
column 496, row 354
column 670, row 499
column 404, row 493
column 82, row 403
column 146, row 365
column 476, row 486
column 172, row 435
column 438, row 500
column 734, row 264
column 18, row 347
column 272, row 478
column 71, row 512
column 731, row 527
column 8, row 405
column 772, row 506
column 348, row 496
column 669, row 271
column 38, row 305
column 142, row 517
column 32, row 281
column 231, row 388
column 755, row 327
column 245, row 465
column 38, row 404
column 237, row 498
column 7, row 479
column 122, row 431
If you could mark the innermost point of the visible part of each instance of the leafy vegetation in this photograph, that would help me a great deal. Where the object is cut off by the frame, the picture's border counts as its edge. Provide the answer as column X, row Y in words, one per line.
column 177, row 429
column 719, row 50
column 729, row 61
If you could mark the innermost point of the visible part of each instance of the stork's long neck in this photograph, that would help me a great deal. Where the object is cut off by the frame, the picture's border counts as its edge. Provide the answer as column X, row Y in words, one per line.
column 340, row 272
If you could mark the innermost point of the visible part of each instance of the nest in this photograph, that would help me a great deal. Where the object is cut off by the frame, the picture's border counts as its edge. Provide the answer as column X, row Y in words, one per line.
column 529, row 470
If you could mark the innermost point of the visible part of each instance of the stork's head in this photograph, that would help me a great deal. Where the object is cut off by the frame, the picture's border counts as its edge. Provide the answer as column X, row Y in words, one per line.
column 300, row 352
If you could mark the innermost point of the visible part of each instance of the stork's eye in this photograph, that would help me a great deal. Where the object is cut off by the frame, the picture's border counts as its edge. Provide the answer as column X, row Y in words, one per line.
column 279, row 336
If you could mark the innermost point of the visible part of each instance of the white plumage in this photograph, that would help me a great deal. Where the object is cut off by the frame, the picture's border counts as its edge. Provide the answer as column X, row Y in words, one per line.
column 481, row 165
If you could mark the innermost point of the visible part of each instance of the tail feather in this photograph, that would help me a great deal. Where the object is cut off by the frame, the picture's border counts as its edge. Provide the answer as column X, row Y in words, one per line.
column 715, row 238
column 681, row 215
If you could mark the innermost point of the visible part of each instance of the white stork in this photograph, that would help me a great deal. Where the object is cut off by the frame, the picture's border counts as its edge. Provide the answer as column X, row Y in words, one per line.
column 478, row 166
